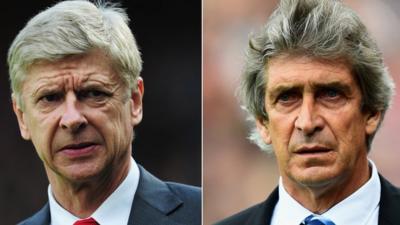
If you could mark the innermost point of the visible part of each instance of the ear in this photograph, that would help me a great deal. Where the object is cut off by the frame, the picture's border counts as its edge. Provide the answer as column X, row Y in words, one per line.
column 23, row 128
column 137, row 106
column 372, row 124
column 263, row 130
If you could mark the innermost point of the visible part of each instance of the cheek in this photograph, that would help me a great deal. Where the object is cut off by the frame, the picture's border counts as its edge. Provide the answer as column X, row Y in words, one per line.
column 121, row 116
column 349, row 130
column 349, row 133
column 42, row 131
column 118, row 129
column 281, row 130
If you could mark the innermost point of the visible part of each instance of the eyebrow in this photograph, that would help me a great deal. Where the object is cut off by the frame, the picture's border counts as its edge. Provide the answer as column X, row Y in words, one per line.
column 337, row 85
column 44, row 88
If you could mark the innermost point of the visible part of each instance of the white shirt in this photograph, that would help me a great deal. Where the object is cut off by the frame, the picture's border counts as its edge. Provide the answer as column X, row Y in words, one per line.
column 114, row 210
column 360, row 208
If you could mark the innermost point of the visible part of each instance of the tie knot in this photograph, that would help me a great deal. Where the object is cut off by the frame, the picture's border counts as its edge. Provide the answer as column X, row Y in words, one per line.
column 316, row 220
column 88, row 221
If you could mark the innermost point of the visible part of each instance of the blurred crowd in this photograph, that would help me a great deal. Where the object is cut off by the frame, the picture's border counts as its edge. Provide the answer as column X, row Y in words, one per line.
column 236, row 174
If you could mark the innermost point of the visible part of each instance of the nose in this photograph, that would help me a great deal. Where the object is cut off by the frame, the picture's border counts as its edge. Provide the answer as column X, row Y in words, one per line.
column 308, row 120
column 72, row 118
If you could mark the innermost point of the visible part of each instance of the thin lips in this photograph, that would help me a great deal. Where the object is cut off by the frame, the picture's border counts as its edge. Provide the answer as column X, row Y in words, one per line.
column 78, row 145
column 312, row 149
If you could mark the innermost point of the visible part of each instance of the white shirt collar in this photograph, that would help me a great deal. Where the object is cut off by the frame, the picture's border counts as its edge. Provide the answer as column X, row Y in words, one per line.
column 114, row 210
column 361, row 207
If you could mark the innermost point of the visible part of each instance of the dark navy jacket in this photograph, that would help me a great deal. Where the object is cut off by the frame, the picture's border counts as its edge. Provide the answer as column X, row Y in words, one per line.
column 261, row 214
column 155, row 203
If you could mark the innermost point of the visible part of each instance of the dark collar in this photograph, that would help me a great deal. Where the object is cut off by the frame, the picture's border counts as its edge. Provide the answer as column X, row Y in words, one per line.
column 153, row 201
column 152, row 204
column 389, row 205
column 261, row 214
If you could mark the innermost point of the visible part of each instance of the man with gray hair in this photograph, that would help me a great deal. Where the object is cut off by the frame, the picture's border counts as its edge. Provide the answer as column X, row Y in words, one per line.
column 315, row 86
column 77, row 94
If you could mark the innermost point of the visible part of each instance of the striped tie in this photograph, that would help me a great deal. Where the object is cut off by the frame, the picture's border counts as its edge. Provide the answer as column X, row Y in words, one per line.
column 316, row 220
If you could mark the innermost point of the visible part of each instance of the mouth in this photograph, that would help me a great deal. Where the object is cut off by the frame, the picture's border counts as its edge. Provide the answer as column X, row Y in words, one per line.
column 77, row 146
column 79, row 149
column 312, row 150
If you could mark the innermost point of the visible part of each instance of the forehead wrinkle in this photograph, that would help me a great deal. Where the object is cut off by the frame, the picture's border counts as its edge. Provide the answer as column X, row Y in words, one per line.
column 46, row 81
column 68, row 73
column 108, row 81
column 74, row 79
column 104, row 79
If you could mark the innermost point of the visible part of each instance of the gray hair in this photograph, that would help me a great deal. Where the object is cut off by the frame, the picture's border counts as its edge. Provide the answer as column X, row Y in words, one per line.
column 73, row 28
column 323, row 29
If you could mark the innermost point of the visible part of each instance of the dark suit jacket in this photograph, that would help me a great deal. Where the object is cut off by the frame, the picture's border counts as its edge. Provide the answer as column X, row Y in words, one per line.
column 261, row 214
column 155, row 203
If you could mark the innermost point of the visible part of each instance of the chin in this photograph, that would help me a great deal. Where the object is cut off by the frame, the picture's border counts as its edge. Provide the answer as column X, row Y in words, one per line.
column 82, row 174
column 315, row 177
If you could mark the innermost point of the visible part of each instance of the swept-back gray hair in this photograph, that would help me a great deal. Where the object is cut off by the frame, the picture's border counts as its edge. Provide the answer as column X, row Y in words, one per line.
column 73, row 28
column 324, row 29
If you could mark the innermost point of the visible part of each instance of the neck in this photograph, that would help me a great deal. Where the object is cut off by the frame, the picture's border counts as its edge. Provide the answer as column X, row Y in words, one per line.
column 82, row 198
column 320, row 198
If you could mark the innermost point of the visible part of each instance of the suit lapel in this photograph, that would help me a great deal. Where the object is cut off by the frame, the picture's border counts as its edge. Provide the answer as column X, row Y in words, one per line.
column 270, row 205
column 389, row 205
column 262, row 215
column 153, row 202
column 40, row 218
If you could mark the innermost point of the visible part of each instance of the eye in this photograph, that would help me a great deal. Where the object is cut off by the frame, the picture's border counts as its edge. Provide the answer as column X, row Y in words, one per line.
column 287, row 98
column 332, row 97
column 93, row 94
column 330, row 94
column 52, row 97
column 284, row 97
